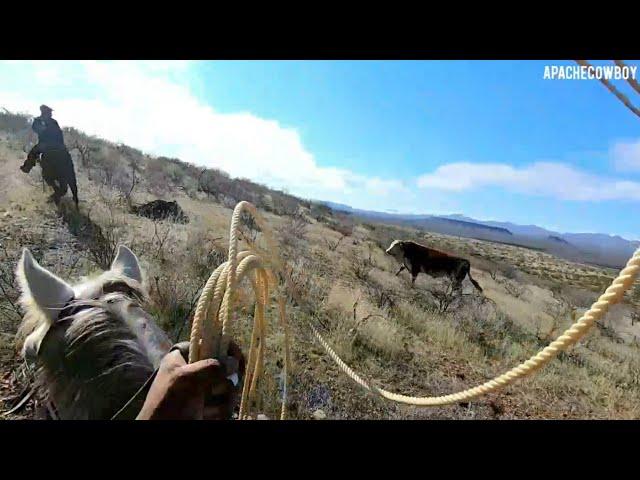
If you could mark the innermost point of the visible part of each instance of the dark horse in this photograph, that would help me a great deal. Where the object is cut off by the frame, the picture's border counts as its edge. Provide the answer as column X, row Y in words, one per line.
column 57, row 171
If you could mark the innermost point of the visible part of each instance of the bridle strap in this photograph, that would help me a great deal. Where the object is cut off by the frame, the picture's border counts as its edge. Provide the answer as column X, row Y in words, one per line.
column 127, row 412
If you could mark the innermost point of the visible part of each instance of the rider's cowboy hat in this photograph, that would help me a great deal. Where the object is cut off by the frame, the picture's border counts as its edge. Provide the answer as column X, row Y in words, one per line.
column 44, row 108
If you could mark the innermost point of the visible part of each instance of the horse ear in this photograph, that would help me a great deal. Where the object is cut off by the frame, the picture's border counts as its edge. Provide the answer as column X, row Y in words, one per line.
column 49, row 292
column 127, row 263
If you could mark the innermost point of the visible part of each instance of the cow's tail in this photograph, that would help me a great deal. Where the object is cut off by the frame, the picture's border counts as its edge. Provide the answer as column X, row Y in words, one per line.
column 475, row 284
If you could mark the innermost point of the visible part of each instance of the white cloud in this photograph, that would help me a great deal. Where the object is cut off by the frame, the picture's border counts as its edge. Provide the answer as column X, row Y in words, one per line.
column 384, row 187
column 149, row 105
column 152, row 106
column 626, row 155
column 550, row 179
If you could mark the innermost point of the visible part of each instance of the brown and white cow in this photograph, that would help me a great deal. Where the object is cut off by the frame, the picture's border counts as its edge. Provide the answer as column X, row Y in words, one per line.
column 417, row 258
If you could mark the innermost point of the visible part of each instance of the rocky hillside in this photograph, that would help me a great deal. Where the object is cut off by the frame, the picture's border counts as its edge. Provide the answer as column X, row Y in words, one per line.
column 419, row 341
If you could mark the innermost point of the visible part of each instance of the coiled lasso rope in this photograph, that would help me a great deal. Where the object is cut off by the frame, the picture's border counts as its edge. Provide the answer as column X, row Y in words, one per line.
column 216, row 303
column 212, row 318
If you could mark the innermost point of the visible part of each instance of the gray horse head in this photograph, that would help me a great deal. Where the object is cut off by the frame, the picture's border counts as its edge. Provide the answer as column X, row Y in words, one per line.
column 92, row 345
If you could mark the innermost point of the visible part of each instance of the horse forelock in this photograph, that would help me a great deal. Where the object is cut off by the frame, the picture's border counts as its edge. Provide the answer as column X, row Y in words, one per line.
column 107, row 282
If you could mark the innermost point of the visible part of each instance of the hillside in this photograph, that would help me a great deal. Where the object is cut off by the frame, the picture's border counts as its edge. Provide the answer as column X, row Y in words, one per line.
column 591, row 248
column 417, row 341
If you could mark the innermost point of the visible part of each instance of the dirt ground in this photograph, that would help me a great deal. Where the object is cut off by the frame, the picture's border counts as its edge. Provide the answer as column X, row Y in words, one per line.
column 399, row 337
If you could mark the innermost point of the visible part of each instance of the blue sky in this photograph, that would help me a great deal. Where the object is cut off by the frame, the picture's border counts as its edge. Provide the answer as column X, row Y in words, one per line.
column 488, row 139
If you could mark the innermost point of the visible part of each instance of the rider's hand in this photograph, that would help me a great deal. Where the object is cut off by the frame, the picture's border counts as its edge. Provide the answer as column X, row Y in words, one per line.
column 182, row 391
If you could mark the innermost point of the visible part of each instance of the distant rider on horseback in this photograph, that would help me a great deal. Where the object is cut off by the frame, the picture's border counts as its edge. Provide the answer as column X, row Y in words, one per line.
column 49, row 137
column 54, row 158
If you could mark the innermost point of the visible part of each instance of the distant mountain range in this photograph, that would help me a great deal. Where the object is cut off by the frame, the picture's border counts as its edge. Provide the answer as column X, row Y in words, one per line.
column 595, row 248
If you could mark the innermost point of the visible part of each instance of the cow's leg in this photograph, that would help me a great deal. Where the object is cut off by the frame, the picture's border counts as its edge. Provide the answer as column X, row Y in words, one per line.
column 401, row 268
column 415, row 270
column 74, row 189
column 457, row 280
column 63, row 188
column 467, row 272
column 58, row 193
column 59, row 188
column 69, row 176
column 50, row 181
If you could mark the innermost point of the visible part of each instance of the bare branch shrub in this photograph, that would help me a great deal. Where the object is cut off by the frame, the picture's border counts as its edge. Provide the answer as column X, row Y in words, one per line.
column 319, row 211
column 445, row 296
column 125, row 184
column 559, row 311
column 207, row 183
column 110, row 167
column 344, row 229
column 8, row 290
column 634, row 296
column 284, row 204
column 161, row 232
column 360, row 265
column 333, row 244
column 104, row 244
column 102, row 238
column 379, row 295
column 310, row 291
column 513, row 288
column 249, row 226
column 156, row 177
column 486, row 326
column 294, row 230
column 13, row 122
column 177, row 281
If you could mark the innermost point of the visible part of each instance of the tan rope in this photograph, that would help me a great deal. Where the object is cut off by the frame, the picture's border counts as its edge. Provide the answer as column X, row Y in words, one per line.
column 216, row 304
column 213, row 315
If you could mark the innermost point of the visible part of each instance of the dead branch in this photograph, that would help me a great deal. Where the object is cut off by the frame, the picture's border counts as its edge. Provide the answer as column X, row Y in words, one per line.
column 621, row 96
column 631, row 81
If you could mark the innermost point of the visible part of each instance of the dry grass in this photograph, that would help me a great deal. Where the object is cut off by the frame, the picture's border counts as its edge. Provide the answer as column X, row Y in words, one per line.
column 398, row 337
